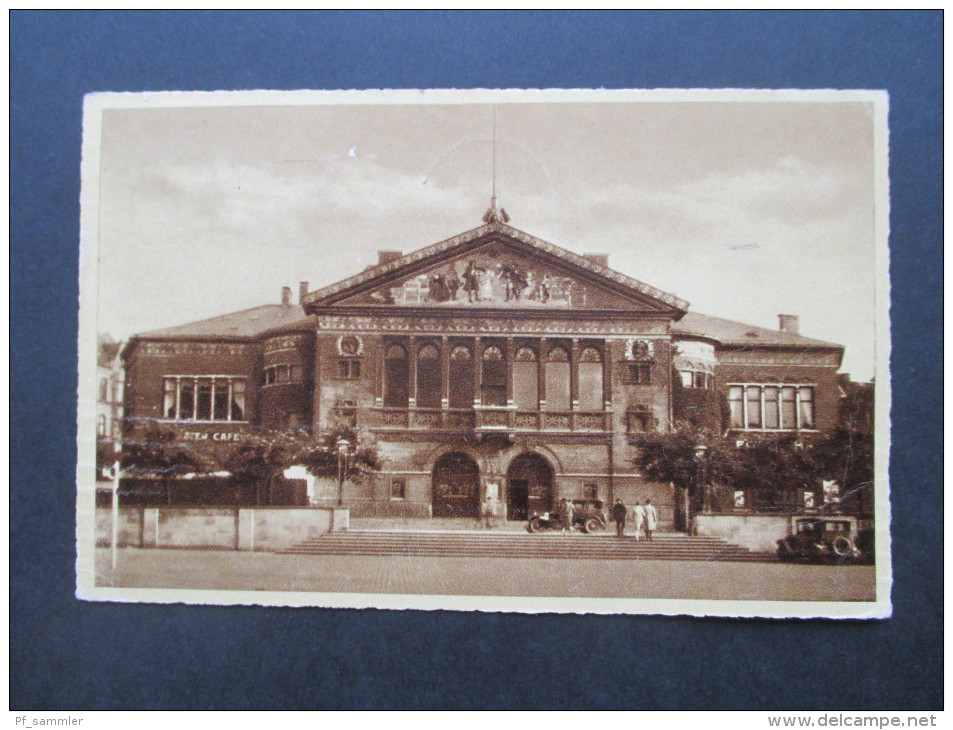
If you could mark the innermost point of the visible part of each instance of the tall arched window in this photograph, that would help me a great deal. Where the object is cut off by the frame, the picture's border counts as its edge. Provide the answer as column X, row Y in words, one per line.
column 428, row 377
column 526, row 379
column 591, row 397
column 396, row 377
column 557, row 379
column 493, row 392
column 461, row 377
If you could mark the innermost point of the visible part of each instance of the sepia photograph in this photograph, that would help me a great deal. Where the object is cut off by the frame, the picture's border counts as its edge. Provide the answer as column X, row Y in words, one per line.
column 573, row 351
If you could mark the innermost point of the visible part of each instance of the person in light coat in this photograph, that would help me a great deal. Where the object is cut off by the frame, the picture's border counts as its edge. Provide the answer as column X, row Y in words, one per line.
column 638, row 519
column 651, row 519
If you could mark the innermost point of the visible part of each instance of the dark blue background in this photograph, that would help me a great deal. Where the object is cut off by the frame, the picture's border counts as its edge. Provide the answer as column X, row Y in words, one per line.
column 72, row 655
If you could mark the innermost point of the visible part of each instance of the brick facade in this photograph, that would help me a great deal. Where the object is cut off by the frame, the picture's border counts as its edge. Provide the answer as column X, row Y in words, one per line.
column 527, row 400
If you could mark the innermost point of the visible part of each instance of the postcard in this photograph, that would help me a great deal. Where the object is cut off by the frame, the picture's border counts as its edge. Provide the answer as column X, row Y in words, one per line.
column 582, row 351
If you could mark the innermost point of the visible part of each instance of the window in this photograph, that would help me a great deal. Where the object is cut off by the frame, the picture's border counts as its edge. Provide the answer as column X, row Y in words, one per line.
column 831, row 491
column 771, row 407
column 461, row 377
column 103, row 389
column 590, row 491
column 346, row 410
column 639, row 374
column 591, row 395
column 205, row 398
column 526, row 379
column 697, row 378
column 349, row 369
column 493, row 390
column 398, row 489
column 283, row 374
column 739, row 499
column 429, row 377
column 639, row 419
column 396, row 377
column 557, row 380
column 101, row 426
column 808, row 499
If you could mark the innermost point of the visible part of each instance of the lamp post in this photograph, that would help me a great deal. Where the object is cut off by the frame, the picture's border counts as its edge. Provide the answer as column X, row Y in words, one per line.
column 701, row 482
column 344, row 454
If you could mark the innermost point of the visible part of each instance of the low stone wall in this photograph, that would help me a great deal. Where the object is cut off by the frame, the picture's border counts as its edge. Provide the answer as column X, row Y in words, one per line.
column 130, row 526
column 755, row 532
column 224, row 528
column 277, row 529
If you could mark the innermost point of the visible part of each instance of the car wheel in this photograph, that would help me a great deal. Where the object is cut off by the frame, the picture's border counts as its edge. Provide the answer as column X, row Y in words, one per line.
column 592, row 524
column 533, row 526
column 784, row 552
column 842, row 548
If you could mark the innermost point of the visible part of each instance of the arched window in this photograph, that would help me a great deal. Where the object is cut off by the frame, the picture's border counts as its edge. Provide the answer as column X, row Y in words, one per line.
column 396, row 377
column 591, row 396
column 526, row 379
column 557, row 379
column 493, row 392
column 428, row 377
column 461, row 377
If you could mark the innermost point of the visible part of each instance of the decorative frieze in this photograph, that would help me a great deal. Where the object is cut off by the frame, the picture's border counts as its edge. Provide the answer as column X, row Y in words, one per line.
column 486, row 325
column 169, row 349
column 285, row 342
column 804, row 358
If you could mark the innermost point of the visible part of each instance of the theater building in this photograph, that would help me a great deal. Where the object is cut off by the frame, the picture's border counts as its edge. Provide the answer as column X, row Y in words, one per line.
column 489, row 364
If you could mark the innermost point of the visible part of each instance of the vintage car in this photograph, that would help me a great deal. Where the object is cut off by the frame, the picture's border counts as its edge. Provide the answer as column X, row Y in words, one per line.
column 827, row 538
column 588, row 515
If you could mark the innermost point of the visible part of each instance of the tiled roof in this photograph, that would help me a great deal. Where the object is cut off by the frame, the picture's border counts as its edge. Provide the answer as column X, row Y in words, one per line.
column 247, row 323
column 728, row 332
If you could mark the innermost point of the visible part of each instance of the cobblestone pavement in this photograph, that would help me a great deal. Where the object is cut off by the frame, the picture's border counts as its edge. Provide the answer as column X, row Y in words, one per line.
column 672, row 579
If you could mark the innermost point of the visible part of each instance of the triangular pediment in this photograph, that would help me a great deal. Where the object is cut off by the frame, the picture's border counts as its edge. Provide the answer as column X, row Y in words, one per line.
column 495, row 266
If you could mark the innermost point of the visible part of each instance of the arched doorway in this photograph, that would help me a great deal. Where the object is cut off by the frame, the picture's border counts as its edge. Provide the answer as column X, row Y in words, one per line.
column 456, row 486
column 529, row 486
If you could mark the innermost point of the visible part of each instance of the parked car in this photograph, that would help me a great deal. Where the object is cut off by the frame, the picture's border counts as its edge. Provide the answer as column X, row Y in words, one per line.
column 588, row 515
column 828, row 538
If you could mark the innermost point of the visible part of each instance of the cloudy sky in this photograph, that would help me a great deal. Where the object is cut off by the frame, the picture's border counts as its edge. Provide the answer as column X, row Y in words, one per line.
column 745, row 209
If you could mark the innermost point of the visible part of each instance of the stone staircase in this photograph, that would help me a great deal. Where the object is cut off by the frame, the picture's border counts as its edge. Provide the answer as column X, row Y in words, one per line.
column 665, row 546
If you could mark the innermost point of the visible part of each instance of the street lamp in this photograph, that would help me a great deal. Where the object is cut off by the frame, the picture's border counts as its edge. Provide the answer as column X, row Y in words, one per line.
column 344, row 454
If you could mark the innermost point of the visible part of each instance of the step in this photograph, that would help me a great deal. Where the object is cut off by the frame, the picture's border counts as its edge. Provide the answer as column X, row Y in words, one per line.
column 516, row 545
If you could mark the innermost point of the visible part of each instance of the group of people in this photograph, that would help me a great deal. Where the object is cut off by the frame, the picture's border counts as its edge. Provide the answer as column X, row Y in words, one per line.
column 478, row 283
column 645, row 516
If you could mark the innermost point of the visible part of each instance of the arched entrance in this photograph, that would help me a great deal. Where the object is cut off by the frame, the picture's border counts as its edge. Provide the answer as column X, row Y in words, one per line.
column 529, row 486
column 456, row 486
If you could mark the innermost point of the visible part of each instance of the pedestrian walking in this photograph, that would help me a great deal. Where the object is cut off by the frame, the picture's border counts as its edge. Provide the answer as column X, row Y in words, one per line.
column 619, row 513
column 567, row 515
column 487, row 512
column 638, row 516
column 651, row 519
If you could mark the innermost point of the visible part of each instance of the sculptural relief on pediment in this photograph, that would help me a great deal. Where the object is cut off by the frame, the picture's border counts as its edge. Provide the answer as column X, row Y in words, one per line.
column 494, row 278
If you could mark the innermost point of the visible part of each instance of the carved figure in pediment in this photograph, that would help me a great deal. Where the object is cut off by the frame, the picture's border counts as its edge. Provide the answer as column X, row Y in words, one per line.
column 473, row 280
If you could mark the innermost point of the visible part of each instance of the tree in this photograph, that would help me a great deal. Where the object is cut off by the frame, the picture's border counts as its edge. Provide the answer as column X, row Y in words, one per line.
column 259, row 459
column 159, row 454
column 773, row 470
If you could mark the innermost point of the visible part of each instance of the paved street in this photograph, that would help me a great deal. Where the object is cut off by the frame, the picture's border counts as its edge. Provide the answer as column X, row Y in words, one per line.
column 652, row 579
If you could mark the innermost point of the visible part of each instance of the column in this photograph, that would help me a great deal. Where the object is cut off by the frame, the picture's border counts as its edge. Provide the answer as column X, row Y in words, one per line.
column 412, row 368
column 477, row 372
column 607, row 356
column 510, row 405
column 510, row 354
column 541, row 373
column 444, row 373
column 574, row 354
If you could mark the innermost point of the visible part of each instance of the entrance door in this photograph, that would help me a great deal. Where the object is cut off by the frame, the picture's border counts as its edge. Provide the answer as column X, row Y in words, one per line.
column 529, row 486
column 517, row 500
column 456, row 486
